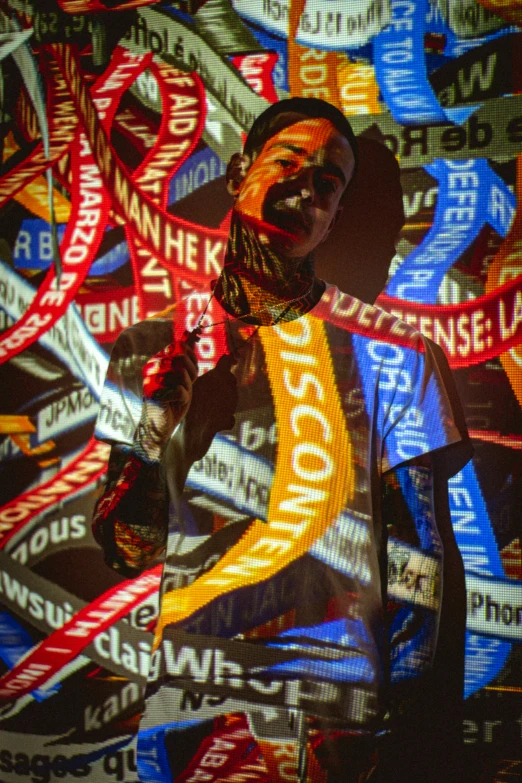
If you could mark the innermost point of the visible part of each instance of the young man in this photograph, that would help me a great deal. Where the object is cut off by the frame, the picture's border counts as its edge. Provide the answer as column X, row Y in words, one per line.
column 291, row 488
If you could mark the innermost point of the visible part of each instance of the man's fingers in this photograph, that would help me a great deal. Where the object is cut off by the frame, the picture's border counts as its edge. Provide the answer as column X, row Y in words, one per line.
column 169, row 371
column 175, row 388
column 191, row 364
column 174, row 379
column 193, row 337
column 180, row 397
column 173, row 359
column 227, row 361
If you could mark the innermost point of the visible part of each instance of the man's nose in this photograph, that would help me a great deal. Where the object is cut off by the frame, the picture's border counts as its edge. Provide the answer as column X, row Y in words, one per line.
column 305, row 184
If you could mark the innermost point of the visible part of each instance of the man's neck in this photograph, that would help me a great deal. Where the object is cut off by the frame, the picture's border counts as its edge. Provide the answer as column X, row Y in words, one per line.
column 259, row 284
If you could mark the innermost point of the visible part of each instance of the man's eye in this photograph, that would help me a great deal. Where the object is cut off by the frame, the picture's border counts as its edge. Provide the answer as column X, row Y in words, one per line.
column 327, row 185
column 285, row 164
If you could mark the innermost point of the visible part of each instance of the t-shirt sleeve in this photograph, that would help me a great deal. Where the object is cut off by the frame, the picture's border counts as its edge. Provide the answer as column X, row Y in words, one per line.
column 120, row 401
column 424, row 414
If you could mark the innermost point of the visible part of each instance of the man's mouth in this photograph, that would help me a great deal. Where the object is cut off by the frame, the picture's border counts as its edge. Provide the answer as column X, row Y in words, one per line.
column 286, row 215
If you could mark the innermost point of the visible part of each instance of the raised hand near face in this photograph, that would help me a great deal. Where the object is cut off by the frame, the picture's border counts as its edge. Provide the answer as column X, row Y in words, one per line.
column 214, row 402
column 168, row 378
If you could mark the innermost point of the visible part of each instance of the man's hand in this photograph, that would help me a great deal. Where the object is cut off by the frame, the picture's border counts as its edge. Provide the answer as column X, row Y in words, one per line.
column 214, row 402
column 167, row 394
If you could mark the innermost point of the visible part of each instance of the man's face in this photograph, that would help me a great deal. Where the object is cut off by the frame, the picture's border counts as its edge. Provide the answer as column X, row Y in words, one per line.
column 294, row 186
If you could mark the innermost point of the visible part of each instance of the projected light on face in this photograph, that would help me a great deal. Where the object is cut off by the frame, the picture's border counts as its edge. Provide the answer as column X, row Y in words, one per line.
column 293, row 188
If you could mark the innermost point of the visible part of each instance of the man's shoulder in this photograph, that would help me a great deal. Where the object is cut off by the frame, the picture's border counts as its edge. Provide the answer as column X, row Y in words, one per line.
column 369, row 320
column 148, row 336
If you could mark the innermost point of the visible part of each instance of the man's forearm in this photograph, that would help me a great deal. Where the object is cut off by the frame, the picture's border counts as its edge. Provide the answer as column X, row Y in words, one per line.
column 415, row 512
column 131, row 518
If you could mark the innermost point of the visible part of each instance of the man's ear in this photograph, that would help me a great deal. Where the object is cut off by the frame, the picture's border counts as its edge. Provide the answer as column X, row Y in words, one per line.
column 235, row 173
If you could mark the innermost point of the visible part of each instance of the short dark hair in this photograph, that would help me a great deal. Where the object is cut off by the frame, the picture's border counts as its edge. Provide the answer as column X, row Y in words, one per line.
column 266, row 125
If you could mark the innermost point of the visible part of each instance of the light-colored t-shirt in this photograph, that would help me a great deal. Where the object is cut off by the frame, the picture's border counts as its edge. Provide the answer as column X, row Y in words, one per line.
column 274, row 610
